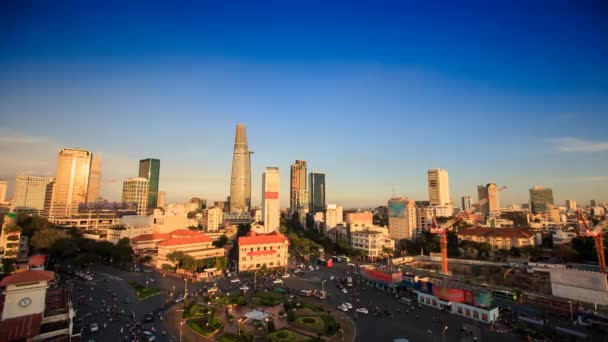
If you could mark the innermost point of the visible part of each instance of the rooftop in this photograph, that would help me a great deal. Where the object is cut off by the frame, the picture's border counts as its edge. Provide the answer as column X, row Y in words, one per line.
column 521, row 233
column 254, row 238
column 27, row 277
column 185, row 241
column 151, row 237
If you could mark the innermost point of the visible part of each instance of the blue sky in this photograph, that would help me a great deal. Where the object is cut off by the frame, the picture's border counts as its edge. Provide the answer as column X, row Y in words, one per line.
column 372, row 93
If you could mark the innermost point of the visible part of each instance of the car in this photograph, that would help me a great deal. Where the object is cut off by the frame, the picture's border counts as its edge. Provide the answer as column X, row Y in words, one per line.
column 94, row 327
column 363, row 310
column 213, row 289
column 343, row 308
column 179, row 299
column 278, row 281
column 302, row 266
column 332, row 277
column 149, row 317
column 235, row 280
column 245, row 288
column 149, row 336
column 348, row 305
column 286, row 275
column 344, row 291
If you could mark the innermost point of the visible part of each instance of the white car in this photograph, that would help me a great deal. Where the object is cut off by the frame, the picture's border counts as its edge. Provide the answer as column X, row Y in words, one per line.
column 286, row 275
column 363, row 310
column 235, row 280
column 179, row 299
column 278, row 281
column 344, row 291
column 311, row 268
column 348, row 305
column 332, row 277
column 343, row 308
column 245, row 288
column 94, row 327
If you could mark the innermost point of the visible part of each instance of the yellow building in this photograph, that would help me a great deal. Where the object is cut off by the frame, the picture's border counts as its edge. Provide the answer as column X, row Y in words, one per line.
column 499, row 238
column 259, row 250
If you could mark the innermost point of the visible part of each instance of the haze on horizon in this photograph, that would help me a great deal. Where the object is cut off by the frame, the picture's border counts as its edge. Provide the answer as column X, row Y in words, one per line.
column 373, row 94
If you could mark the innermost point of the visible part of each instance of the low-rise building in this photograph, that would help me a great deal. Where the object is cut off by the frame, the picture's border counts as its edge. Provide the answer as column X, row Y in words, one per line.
column 499, row 238
column 257, row 251
column 371, row 242
column 129, row 227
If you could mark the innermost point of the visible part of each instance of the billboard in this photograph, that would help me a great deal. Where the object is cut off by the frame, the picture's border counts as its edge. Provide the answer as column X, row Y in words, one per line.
column 583, row 286
column 396, row 209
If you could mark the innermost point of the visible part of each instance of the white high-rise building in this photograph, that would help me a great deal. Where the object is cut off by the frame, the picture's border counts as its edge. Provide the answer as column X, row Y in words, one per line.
column 271, row 209
column 30, row 193
column 439, row 187
column 71, row 182
column 212, row 219
column 334, row 215
column 135, row 190
column 3, row 188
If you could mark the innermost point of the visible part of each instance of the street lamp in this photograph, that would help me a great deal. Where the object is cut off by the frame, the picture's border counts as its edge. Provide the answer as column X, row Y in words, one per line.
column 443, row 332
column 323, row 287
column 181, row 323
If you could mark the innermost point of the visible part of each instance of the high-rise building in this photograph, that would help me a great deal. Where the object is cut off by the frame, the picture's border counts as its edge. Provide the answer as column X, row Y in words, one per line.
column 3, row 188
column 271, row 209
column 94, row 179
column 71, row 182
column 488, row 199
column 240, row 180
column 540, row 199
column 30, row 193
column 334, row 215
column 202, row 203
column 212, row 219
column 401, row 218
column 303, row 199
column 297, row 185
column 467, row 203
column 150, row 170
column 316, row 191
column 571, row 205
column 439, row 187
column 160, row 203
column 135, row 190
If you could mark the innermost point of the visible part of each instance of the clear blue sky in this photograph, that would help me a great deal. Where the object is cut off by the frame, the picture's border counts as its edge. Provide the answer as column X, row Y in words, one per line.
column 371, row 92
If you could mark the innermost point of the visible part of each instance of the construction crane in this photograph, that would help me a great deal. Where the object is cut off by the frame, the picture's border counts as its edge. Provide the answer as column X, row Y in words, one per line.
column 598, row 237
column 443, row 239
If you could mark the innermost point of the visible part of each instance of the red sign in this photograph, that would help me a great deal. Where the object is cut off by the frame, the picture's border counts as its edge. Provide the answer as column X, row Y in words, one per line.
column 271, row 195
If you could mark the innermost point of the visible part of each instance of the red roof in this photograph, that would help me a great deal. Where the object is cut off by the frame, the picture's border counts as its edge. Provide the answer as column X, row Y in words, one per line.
column 185, row 241
column 518, row 233
column 20, row 328
column 254, row 238
column 150, row 237
column 185, row 232
column 27, row 277
column 37, row 260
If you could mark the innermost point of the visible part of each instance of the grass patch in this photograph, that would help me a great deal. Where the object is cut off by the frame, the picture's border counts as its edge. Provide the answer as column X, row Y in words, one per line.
column 205, row 326
column 230, row 300
column 268, row 298
column 311, row 322
column 286, row 335
column 235, row 338
column 193, row 310
column 143, row 291
column 309, row 306
column 331, row 326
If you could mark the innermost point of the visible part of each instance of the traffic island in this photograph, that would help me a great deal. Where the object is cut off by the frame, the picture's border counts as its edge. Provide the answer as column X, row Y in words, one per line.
column 143, row 292
column 287, row 335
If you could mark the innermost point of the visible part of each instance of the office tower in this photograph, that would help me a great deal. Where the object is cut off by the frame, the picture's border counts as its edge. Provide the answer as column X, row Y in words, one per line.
column 160, row 203
column 71, row 182
column 316, row 191
column 540, row 199
column 303, row 199
column 334, row 214
column 570, row 205
column 30, row 193
column 467, row 203
column 135, row 190
column 271, row 209
column 401, row 218
column 150, row 170
column 592, row 203
column 439, row 187
column 488, row 198
column 3, row 188
column 202, row 203
column 240, row 180
column 297, row 185
column 94, row 179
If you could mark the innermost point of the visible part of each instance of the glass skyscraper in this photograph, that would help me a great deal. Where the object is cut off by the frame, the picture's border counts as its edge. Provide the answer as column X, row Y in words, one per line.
column 150, row 170
column 316, row 191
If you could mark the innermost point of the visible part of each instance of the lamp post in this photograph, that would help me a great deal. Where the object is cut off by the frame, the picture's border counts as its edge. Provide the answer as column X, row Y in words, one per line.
column 443, row 332
column 181, row 323
column 323, row 287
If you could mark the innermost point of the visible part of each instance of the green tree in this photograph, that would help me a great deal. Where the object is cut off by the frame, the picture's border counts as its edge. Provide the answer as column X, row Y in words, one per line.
column 44, row 239
column 8, row 265
column 32, row 224
column 514, row 252
column 221, row 241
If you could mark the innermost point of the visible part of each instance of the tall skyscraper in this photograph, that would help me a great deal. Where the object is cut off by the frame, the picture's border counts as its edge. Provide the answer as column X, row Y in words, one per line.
column 316, row 192
column 271, row 208
column 71, row 182
column 439, row 187
column 240, row 181
column 571, row 205
column 297, row 184
column 94, row 179
column 150, row 170
column 540, row 199
column 401, row 218
column 30, row 193
column 489, row 195
column 135, row 190
column 3, row 188
column 466, row 203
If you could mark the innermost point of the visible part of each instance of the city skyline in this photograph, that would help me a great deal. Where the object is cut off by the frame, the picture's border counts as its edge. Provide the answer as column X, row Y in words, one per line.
column 379, row 103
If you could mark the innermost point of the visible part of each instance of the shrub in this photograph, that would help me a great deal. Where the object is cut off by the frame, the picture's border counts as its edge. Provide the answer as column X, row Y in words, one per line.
column 291, row 316
column 271, row 326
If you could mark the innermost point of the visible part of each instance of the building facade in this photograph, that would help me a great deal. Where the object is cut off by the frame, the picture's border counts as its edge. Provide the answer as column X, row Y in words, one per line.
column 466, row 203
column 71, row 182
column 540, row 199
column 334, row 215
column 439, row 187
column 571, row 205
column 401, row 218
column 150, row 170
column 297, row 183
column 3, row 189
column 135, row 190
column 94, row 179
column 212, row 219
column 499, row 238
column 257, row 251
column 160, row 203
column 271, row 207
column 488, row 199
column 316, row 191
column 240, row 180
column 30, row 193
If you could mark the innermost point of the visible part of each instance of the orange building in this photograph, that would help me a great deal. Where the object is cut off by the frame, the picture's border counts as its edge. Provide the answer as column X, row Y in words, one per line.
column 262, row 250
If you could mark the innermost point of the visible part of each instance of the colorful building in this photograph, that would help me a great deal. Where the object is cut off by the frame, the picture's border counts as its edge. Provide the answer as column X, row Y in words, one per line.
column 258, row 251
